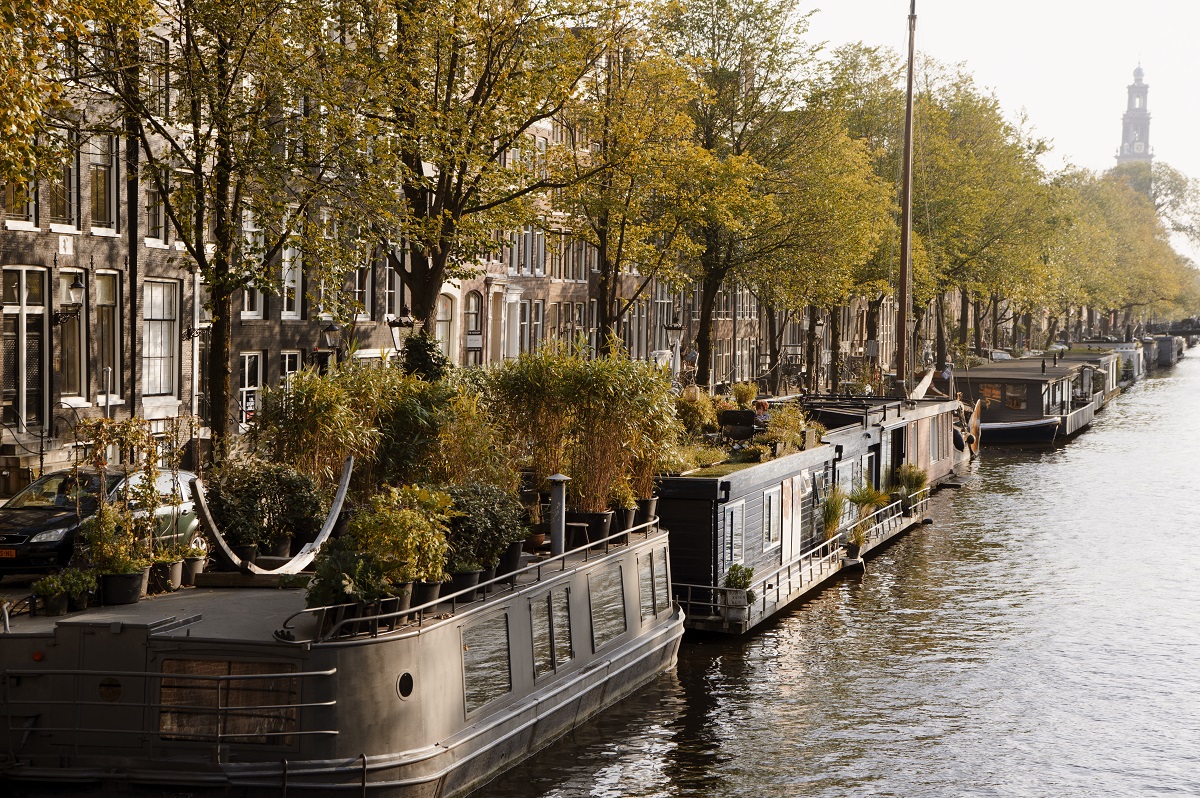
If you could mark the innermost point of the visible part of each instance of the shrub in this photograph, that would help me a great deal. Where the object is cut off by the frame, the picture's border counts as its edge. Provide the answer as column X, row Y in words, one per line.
column 259, row 502
column 744, row 393
column 740, row 577
column 486, row 520
column 786, row 425
column 342, row 574
column 423, row 357
column 405, row 530
column 832, row 511
column 696, row 414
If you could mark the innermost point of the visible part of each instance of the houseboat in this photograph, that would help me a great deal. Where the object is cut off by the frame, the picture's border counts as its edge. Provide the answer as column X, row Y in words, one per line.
column 245, row 692
column 767, row 516
column 1026, row 401
column 1101, row 375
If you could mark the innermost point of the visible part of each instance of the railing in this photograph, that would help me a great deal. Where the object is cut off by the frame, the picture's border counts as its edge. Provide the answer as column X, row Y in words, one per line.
column 145, row 717
column 809, row 568
column 344, row 623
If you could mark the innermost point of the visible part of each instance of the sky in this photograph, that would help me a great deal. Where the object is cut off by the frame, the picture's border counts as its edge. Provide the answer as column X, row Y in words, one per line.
column 1066, row 63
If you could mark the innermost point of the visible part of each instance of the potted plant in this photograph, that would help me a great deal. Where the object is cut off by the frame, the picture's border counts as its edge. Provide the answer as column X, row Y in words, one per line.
column 737, row 597
column 405, row 529
column 832, row 511
column 344, row 575
column 52, row 594
column 166, row 570
column 194, row 560
column 114, row 551
column 487, row 522
column 867, row 500
column 911, row 480
column 79, row 584
column 744, row 393
column 261, row 506
column 624, row 503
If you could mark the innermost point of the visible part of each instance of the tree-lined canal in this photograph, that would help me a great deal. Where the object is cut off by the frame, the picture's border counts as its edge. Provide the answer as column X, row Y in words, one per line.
column 1042, row 638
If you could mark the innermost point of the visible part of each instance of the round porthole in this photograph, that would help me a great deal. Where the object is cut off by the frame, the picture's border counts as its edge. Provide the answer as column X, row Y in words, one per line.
column 404, row 685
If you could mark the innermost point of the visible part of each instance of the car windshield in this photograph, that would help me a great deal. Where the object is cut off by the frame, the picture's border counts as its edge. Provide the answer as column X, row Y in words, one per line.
column 62, row 491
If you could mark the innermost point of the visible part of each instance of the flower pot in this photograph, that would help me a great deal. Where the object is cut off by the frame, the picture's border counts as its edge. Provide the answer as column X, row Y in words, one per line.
column 192, row 566
column 511, row 559
column 852, row 550
column 282, row 548
column 399, row 602
column 247, row 552
column 79, row 601
column 425, row 592
column 647, row 509
column 537, row 537
column 53, row 606
column 599, row 524
column 165, row 577
column 461, row 581
column 123, row 588
column 486, row 575
column 626, row 518
column 735, row 605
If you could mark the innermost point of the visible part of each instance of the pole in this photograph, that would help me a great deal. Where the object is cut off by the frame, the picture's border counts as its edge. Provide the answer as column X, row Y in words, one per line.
column 903, row 300
column 558, row 513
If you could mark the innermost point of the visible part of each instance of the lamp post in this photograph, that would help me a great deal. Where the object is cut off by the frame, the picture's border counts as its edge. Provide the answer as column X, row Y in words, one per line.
column 397, row 323
column 818, row 355
column 70, row 310
column 674, row 335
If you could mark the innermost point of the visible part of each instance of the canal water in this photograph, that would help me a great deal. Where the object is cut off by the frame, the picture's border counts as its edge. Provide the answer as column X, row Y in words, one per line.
column 1041, row 638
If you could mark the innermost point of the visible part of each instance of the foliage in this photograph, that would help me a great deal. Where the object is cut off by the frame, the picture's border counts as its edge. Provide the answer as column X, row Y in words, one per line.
column 740, row 577
column 405, row 531
column 696, row 412
column 744, row 393
column 867, row 499
column 911, row 479
column 343, row 574
column 111, row 545
column 486, row 519
column 786, row 425
column 622, row 496
column 698, row 455
column 832, row 511
column 194, row 552
column 472, row 446
column 753, row 453
column 70, row 581
column 423, row 357
column 263, row 502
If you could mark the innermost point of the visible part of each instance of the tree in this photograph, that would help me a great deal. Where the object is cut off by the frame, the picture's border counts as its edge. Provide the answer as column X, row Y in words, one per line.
column 632, row 166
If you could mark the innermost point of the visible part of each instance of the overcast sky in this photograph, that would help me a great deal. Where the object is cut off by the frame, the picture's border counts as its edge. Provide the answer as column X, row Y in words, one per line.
column 1065, row 62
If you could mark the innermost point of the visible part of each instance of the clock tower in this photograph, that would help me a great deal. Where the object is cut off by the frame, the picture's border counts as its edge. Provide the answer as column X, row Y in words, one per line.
column 1135, row 124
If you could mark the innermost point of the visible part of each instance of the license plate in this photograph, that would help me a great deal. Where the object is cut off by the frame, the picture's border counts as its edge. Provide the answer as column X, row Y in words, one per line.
column 7, row 553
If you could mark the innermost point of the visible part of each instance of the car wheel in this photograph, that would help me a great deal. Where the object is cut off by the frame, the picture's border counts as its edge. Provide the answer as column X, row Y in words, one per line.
column 199, row 542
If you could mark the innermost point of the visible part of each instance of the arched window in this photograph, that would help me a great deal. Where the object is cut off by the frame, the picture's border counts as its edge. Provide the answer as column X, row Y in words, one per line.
column 443, row 321
column 474, row 312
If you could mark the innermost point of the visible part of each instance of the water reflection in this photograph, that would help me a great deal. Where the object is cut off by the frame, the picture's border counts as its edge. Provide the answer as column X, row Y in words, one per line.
column 1038, row 640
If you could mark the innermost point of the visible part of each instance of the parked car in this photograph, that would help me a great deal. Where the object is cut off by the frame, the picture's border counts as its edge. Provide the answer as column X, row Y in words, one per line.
column 38, row 525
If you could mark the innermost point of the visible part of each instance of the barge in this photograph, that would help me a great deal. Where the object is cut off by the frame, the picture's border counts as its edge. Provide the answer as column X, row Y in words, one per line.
column 245, row 692
column 767, row 516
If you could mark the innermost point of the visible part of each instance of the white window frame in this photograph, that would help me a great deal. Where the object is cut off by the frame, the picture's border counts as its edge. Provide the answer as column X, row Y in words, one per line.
column 79, row 322
column 772, row 518
column 29, row 315
column 160, row 327
column 291, row 271
column 248, row 393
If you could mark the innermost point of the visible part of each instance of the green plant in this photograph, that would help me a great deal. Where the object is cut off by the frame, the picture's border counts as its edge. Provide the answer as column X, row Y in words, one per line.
column 753, row 453
column 744, row 393
column 740, row 577
column 258, row 502
column 342, row 574
column 405, row 530
column 486, row 520
column 76, row 581
column 911, row 479
column 622, row 495
column 49, row 586
column 867, row 499
column 694, row 409
column 472, row 447
column 110, row 544
column 423, row 357
column 832, row 511
column 786, row 425
column 690, row 456
column 192, row 552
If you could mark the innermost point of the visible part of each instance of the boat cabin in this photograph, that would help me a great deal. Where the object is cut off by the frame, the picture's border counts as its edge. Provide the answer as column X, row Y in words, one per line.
column 1024, row 401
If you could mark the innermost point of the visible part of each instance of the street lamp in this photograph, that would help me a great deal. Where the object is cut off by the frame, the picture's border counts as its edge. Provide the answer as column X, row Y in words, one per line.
column 70, row 310
column 397, row 323
column 333, row 336
column 674, row 334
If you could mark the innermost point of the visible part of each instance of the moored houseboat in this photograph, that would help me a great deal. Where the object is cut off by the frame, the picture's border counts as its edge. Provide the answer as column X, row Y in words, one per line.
column 767, row 516
column 245, row 692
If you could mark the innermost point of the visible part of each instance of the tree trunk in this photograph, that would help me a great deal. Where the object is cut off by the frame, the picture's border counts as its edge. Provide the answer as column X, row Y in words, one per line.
column 1050, row 332
column 964, row 317
column 835, row 349
column 774, row 340
column 811, row 366
column 940, row 320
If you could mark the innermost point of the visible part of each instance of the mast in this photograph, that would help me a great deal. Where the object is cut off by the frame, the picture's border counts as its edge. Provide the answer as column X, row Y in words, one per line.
column 903, row 299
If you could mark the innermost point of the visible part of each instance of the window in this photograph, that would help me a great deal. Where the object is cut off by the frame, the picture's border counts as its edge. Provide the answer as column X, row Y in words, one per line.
column 252, row 303
column 200, row 699
column 443, row 323
column 154, row 73
column 160, row 337
column 772, row 517
column 1015, row 397
column 734, row 515
column 607, row 593
column 394, row 291
column 20, row 203
column 535, row 329
column 289, row 363
column 474, row 312
column 71, row 367
column 108, row 332
column 289, row 298
column 64, row 189
column 249, row 383
column 989, row 392
column 103, row 174
column 22, row 389
column 523, row 326
column 487, row 672
column 155, row 213
column 253, row 248
column 551, row 616
column 360, row 292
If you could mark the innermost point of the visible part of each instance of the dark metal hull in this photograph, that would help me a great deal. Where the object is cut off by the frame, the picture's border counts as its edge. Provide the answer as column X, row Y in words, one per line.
column 1033, row 432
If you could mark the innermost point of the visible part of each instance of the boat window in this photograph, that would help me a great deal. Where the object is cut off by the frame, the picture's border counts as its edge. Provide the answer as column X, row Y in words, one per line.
column 486, row 669
column 211, row 699
column 607, row 595
column 551, row 616
column 646, row 585
column 1014, row 397
column 734, row 515
column 989, row 392
column 662, row 598
column 772, row 517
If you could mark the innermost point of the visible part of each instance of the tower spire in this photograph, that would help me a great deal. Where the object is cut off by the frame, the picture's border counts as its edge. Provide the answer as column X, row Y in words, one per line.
column 1135, row 124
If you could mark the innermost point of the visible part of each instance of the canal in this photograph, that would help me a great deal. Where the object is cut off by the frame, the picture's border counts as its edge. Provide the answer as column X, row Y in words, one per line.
column 1041, row 638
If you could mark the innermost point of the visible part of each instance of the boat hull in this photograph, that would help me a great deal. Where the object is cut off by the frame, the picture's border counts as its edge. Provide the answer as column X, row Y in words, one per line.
column 1007, row 433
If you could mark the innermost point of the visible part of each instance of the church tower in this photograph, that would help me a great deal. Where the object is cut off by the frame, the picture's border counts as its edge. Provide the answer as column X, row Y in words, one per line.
column 1135, row 124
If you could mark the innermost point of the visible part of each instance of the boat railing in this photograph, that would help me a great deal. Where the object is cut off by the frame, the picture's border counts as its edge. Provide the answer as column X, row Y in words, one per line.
column 808, row 568
column 350, row 623
column 220, row 710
